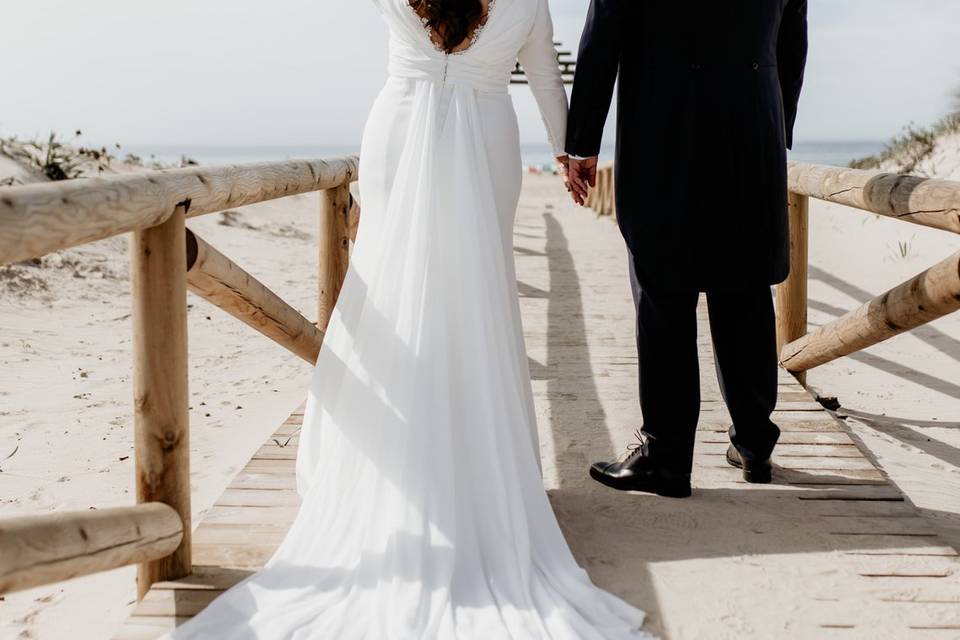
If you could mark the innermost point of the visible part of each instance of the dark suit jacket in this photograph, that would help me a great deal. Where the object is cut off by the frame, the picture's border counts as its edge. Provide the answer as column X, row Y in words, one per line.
column 708, row 93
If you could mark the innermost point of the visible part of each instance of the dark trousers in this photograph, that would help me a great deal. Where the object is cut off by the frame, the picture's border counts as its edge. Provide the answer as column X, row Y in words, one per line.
column 743, row 327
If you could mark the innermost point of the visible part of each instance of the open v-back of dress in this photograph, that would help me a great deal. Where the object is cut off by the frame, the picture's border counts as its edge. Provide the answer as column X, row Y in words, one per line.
column 423, row 511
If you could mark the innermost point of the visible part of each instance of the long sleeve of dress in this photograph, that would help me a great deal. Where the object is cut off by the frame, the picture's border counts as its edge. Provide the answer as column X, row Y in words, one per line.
column 538, row 57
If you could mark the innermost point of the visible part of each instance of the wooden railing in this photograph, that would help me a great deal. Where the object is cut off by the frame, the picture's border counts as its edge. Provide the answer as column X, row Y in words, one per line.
column 165, row 260
column 922, row 299
column 601, row 198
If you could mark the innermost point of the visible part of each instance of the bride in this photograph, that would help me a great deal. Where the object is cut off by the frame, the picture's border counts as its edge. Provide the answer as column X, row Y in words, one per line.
column 423, row 510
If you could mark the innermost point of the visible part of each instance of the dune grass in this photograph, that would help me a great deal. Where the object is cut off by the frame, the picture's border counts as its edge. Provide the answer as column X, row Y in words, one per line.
column 914, row 144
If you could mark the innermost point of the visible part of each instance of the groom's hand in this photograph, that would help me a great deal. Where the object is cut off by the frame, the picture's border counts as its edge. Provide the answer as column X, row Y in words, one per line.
column 583, row 175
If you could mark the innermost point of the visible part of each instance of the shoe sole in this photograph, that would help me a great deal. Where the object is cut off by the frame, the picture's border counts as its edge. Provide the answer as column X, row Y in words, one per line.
column 763, row 476
column 668, row 491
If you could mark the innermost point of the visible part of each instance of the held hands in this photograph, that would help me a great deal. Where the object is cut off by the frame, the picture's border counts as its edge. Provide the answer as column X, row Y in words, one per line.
column 563, row 170
column 580, row 176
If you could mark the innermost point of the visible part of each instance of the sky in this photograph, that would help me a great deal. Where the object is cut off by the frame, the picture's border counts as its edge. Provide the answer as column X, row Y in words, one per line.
column 304, row 72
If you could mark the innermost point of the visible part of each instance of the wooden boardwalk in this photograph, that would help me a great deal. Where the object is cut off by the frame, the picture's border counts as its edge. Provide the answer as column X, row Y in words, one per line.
column 829, row 550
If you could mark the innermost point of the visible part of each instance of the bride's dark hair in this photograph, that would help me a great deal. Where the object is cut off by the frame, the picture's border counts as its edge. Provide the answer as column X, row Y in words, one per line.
column 453, row 21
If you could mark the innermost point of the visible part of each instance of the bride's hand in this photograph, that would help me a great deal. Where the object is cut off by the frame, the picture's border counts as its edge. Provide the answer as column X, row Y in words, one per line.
column 563, row 170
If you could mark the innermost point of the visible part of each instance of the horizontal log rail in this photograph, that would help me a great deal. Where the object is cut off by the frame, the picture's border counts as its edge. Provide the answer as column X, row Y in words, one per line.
column 166, row 260
column 932, row 203
column 38, row 219
column 38, row 550
column 218, row 280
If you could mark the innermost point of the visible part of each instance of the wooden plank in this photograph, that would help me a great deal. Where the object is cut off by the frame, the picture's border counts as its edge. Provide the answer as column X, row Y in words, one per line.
column 878, row 525
column 283, row 467
column 854, row 492
column 786, row 438
column 175, row 603
column 901, row 614
column 227, row 534
column 245, row 497
column 789, row 450
column 268, row 481
column 148, row 627
column 894, row 545
column 803, row 463
column 827, row 509
column 787, row 423
column 287, row 431
column 907, row 567
column 270, row 451
column 799, row 477
column 205, row 577
column 246, row 515
column 899, row 590
column 249, row 556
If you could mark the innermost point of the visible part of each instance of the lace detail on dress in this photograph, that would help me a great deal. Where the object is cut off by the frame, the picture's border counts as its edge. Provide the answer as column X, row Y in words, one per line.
column 470, row 40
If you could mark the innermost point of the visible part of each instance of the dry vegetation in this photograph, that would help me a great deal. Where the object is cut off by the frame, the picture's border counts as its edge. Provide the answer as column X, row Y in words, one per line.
column 54, row 159
column 907, row 150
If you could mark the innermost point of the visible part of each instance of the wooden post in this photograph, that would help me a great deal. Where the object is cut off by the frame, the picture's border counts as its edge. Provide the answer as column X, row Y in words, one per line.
column 792, row 293
column 334, row 248
column 603, row 188
column 354, row 218
column 611, row 192
column 161, row 412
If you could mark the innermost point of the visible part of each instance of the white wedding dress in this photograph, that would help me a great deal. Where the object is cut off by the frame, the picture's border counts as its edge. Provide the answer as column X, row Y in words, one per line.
column 423, row 510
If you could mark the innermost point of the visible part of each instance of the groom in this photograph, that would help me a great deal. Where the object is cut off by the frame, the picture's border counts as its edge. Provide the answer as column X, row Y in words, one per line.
column 708, row 94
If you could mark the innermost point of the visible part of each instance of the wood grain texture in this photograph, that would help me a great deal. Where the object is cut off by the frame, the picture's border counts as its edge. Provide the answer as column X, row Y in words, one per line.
column 353, row 218
column 334, row 241
column 40, row 218
column 602, row 198
column 42, row 549
column 160, row 398
column 221, row 282
column 932, row 203
column 930, row 295
column 791, row 294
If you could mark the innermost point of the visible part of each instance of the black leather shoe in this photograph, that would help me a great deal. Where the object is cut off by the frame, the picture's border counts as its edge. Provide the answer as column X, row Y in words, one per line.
column 755, row 471
column 638, row 472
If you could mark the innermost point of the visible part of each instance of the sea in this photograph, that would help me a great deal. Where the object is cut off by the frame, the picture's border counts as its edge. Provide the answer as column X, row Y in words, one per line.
column 838, row 153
